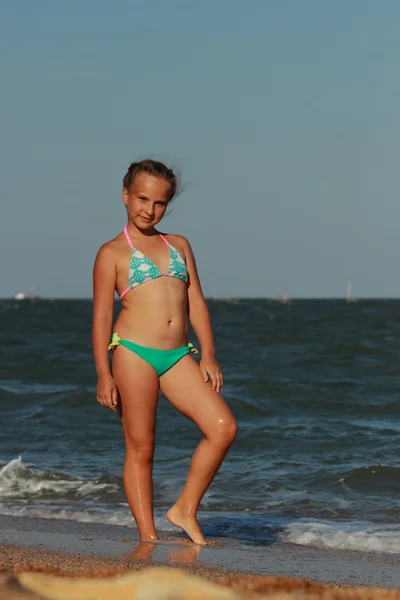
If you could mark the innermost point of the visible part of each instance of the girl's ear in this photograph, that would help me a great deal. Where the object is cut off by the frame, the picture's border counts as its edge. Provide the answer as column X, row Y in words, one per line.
column 125, row 196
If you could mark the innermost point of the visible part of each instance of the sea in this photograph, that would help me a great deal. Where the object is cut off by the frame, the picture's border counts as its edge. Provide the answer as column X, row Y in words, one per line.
column 315, row 388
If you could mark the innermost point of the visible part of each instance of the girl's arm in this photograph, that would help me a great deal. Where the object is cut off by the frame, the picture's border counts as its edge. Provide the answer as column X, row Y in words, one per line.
column 104, row 280
column 200, row 319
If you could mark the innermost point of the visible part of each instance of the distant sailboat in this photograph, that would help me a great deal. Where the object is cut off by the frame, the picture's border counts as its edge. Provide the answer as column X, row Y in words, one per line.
column 349, row 297
column 231, row 300
column 32, row 293
column 285, row 297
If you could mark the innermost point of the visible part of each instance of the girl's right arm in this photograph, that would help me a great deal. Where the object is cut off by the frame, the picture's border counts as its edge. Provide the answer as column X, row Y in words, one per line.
column 104, row 280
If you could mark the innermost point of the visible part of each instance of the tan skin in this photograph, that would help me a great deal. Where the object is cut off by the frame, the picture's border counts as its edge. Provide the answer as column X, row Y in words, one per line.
column 155, row 314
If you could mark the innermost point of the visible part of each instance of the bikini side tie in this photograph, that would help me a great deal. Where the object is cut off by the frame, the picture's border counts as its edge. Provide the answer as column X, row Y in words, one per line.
column 114, row 341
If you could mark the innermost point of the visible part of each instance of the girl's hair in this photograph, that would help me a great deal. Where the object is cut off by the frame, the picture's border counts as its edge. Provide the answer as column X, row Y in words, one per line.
column 156, row 169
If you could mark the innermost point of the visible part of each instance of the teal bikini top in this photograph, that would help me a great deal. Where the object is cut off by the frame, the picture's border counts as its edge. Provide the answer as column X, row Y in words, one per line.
column 142, row 269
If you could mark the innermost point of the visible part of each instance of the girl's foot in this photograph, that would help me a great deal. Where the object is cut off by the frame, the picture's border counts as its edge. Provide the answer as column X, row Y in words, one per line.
column 187, row 523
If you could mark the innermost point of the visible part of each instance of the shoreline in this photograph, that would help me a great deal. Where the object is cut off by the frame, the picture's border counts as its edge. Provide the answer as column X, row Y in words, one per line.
column 82, row 548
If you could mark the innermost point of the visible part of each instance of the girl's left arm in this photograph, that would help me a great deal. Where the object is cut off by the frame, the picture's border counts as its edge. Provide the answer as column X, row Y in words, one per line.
column 200, row 320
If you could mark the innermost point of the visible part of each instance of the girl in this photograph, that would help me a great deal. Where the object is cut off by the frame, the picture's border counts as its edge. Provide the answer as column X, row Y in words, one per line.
column 156, row 278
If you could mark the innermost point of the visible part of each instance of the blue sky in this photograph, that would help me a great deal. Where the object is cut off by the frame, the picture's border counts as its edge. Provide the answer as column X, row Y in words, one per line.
column 283, row 116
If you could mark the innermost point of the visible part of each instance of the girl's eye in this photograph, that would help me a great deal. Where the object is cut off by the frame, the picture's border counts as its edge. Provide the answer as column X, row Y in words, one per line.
column 160, row 203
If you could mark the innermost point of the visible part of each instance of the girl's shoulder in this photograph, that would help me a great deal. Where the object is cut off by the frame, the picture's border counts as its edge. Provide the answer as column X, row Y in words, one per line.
column 112, row 247
column 174, row 238
column 179, row 242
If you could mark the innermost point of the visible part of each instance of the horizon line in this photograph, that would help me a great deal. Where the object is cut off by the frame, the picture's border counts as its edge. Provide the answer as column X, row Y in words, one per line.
column 272, row 299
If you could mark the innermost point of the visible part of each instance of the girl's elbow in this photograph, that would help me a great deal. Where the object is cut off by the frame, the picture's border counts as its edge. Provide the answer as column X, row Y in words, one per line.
column 102, row 318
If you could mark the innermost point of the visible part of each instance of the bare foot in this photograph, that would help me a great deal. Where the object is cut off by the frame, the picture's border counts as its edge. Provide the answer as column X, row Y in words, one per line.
column 188, row 524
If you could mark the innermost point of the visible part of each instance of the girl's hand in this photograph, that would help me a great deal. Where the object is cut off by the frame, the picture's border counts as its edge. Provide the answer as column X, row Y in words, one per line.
column 107, row 394
column 210, row 369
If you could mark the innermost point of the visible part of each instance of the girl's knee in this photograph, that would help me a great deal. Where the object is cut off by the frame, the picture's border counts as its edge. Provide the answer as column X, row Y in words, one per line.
column 225, row 431
column 140, row 451
column 232, row 429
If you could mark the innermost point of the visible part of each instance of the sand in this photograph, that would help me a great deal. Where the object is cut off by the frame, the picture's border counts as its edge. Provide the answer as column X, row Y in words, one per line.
column 100, row 554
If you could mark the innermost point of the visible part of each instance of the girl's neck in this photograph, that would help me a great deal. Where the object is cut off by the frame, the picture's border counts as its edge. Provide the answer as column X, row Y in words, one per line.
column 133, row 230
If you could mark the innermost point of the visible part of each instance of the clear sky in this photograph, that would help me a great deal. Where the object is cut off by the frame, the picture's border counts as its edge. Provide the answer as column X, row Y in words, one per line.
column 283, row 116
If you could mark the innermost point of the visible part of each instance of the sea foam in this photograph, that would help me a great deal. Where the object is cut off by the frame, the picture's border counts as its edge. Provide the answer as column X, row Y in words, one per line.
column 361, row 536
column 21, row 481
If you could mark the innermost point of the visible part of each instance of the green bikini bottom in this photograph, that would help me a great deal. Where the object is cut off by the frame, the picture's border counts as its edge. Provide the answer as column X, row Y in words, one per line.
column 160, row 360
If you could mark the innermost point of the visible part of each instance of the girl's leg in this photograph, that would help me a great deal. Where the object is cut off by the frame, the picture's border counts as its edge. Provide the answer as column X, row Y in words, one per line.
column 184, row 387
column 137, row 383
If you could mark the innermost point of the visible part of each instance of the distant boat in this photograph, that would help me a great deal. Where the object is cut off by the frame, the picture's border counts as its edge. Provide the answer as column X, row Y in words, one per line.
column 349, row 297
column 231, row 300
column 285, row 298
column 31, row 295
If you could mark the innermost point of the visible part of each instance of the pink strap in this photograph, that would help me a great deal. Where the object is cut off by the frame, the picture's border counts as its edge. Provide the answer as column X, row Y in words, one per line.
column 164, row 240
column 128, row 238
column 125, row 292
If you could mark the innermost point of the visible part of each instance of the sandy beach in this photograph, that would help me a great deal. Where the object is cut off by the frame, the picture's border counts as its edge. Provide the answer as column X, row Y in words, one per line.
column 93, row 551
column 67, row 571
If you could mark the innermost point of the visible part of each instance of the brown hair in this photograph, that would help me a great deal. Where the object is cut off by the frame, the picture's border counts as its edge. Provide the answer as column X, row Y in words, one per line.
column 156, row 169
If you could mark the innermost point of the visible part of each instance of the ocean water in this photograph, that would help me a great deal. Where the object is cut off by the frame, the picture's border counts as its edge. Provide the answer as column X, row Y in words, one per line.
column 314, row 386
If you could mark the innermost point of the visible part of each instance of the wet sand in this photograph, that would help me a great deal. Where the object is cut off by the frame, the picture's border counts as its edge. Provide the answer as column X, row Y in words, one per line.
column 92, row 550
column 17, row 561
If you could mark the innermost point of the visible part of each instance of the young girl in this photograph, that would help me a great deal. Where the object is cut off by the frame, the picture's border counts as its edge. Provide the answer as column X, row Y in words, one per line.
column 156, row 278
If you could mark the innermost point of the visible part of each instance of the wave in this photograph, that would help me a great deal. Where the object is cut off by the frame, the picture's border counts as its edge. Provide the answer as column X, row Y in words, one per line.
column 377, row 477
column 359, row 536
column 19, row 481
column 17, row 387
column 26, row 491
column 121, row 518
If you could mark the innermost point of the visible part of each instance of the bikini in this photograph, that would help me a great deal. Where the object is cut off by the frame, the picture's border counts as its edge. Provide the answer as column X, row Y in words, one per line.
column 142, row 270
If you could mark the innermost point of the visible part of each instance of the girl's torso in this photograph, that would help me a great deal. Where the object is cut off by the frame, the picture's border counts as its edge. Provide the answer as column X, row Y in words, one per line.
column 151, row 281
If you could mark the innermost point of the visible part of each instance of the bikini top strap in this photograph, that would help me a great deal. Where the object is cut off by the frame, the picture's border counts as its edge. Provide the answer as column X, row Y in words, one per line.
column 163, row 239
column 127, row 236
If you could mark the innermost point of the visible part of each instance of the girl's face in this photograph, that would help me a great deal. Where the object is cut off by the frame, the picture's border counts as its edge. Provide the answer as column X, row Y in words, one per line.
column 146, row 200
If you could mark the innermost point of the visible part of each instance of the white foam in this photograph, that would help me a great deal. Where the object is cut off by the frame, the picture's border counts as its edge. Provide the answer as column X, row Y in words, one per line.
column 360, row 536
column 112, row 518
column 121, row 518
column 19, row 481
